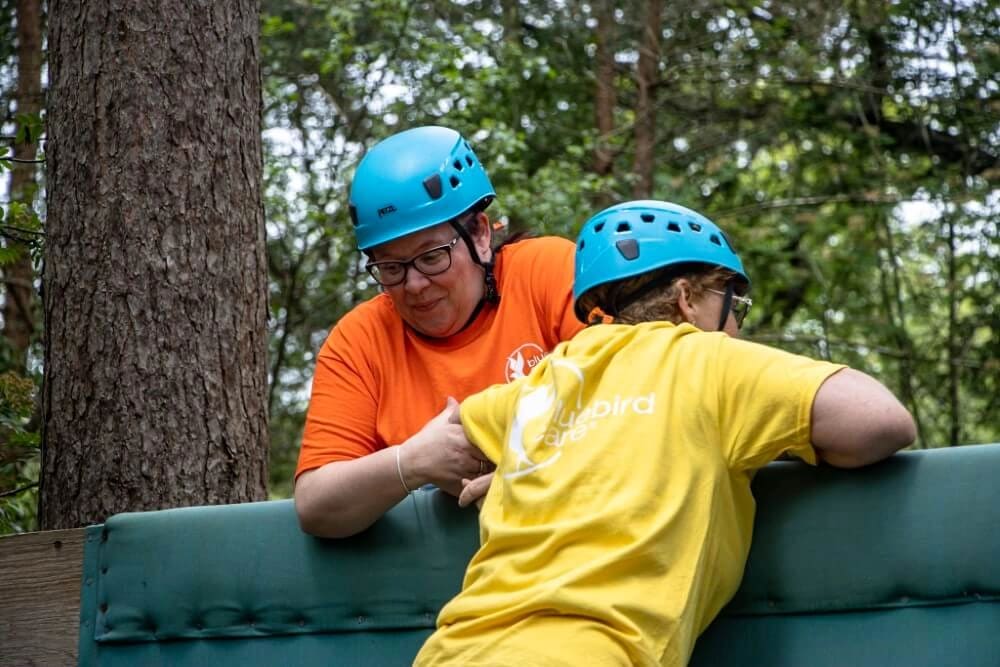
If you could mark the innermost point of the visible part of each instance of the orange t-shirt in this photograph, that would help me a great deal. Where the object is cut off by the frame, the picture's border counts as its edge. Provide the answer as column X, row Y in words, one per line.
column 377, row 382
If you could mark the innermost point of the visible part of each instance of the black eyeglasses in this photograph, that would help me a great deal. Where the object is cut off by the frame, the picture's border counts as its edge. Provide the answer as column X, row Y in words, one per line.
column 739, row 306
column 429, row 262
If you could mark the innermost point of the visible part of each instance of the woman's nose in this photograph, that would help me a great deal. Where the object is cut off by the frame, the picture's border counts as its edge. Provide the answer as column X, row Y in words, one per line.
column 414, row 281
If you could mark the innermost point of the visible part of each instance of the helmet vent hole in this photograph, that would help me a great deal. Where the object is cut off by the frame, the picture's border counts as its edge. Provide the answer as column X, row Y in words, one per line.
column 695, row 227
column 673, row 227
column 647, row 217
column 623, row 227
column 454, row 182
column 468, row 160
column 458, row 165
column 433, row 186
column 599, row 226
column 629, row 248
column 715, row 239
column 582, row 243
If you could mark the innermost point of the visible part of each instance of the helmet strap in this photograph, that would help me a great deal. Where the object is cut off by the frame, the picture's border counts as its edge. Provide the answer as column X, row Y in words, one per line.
column 492, row 293
column 727, row 304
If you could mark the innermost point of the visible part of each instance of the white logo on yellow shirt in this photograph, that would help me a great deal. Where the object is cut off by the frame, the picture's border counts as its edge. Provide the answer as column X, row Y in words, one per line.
column 567, row 420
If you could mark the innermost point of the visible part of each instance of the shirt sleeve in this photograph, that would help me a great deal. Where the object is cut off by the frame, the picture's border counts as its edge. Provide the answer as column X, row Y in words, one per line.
column 765, row 402
column 341, row 420
column 486, row 417
column 561, row 297
column 550, row 272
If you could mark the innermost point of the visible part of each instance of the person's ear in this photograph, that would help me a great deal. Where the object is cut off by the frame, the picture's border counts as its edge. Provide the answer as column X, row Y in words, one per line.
column 482, row 237
column 689, row 310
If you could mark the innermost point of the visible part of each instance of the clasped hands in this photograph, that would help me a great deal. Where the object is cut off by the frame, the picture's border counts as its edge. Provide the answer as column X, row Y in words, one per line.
column 441, row 454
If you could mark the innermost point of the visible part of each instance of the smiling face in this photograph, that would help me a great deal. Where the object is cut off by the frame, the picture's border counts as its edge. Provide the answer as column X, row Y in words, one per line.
column 438, row 305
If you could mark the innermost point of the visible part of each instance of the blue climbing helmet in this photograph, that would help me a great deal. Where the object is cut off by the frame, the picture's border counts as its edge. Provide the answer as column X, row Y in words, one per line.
column 414, row 180
column 627, row 240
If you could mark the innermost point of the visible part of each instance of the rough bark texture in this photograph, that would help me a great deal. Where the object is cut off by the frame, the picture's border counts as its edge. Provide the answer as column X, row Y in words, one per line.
column 18, row 277
column 155, row 274
column 645, row 107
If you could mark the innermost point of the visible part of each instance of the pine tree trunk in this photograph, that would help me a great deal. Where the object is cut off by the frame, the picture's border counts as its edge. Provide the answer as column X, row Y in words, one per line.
column 155, row 294
column 19, row 306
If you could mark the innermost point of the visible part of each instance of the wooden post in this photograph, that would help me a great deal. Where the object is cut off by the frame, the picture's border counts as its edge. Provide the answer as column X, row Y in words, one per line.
column 40, row 598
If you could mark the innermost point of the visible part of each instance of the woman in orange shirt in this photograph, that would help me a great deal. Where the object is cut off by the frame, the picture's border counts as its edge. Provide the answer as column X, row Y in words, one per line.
column 454, row 317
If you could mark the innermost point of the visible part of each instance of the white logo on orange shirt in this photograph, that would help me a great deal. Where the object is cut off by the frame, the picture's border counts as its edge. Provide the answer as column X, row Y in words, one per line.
column 522, row 360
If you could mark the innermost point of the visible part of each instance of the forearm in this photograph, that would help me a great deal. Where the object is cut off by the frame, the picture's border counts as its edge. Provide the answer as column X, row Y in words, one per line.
column 345, row 497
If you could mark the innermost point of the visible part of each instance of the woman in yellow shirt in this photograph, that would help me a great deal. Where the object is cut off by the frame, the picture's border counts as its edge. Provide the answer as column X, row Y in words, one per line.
column 619, row 519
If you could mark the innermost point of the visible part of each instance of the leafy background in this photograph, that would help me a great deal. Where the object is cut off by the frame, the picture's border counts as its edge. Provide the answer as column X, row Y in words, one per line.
column 849, row 148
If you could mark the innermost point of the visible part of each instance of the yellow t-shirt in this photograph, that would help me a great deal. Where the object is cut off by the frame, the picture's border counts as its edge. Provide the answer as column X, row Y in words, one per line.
column 619, row 519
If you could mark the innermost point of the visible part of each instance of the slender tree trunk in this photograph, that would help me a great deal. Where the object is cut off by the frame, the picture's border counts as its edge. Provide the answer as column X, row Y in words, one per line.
column 513, row 34
column 954, row 338
column 155, row 272
column 19, row 299
column 645, row 108
column 892, row 299
column 604, row 97
column 956, row 333
column 870, row 20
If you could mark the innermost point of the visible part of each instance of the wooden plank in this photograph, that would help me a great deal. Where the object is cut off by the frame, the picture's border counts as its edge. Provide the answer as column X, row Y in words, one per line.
column 40, row 598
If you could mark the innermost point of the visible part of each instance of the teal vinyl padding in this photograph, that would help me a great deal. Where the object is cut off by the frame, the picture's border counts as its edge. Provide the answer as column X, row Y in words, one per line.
column 86, row 646
column 896, row 564
column 342, row 649
column 966, row 635
column 248, row 571
column 921, row 527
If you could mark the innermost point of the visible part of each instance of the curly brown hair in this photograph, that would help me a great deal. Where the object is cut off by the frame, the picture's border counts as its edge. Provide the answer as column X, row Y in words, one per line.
column 653, row 296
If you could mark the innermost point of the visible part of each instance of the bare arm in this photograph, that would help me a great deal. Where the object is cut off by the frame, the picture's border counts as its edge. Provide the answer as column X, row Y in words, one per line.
column 857, row 421
column 345, row 497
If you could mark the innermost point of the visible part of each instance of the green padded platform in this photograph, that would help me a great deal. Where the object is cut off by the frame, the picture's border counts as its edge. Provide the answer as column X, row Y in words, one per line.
column 896, row 564
column 192, row 586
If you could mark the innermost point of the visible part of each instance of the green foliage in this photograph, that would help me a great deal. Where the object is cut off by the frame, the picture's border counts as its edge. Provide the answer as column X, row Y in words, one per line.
column 21, row 234
column 20, row 223
column 19, row 454
column 850, row 150
column 29, row 128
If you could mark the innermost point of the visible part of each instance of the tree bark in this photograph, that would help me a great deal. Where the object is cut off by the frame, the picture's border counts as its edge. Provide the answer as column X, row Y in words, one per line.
column 155, row 290
column 19, row 306
column 645, row 107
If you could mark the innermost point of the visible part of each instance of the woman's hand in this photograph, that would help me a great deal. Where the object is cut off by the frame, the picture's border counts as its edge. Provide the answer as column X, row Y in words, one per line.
column 441, row 454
